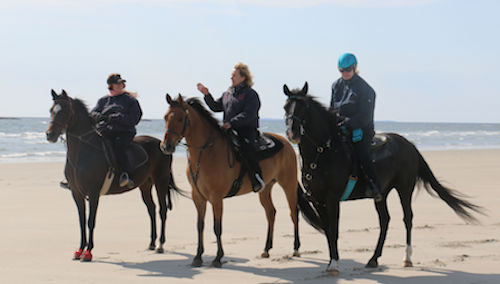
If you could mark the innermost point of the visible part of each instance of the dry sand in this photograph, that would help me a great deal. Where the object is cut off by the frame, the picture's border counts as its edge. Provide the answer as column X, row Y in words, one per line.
column 39, row 233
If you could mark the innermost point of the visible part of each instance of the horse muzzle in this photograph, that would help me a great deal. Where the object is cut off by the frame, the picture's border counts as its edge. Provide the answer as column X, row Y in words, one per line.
column 295, row 139
column 167, row 148
column 51, row 136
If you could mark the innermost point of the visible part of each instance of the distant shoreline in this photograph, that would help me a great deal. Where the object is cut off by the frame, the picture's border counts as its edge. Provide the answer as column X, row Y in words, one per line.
column 282, row 119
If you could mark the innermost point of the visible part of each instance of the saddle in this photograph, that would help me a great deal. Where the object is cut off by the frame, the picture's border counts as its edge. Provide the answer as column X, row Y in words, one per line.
column 136, row 155
column 266, row 146
column 379, row 149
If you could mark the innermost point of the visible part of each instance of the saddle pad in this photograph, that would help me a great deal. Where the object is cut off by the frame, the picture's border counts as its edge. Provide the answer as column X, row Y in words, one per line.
column 267, row 146
column 381, row 147
column 136, row 156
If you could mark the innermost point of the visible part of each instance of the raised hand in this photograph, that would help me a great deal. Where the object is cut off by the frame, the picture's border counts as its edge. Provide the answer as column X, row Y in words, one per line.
column 202, row 89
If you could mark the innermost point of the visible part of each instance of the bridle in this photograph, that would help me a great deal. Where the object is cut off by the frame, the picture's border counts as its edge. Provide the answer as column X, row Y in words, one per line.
column 308, row 171
column 184, row 126
column 210, row 141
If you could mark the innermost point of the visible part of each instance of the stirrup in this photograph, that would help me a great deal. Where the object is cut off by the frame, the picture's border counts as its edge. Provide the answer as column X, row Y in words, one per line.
column 259, row 184
column 125, row 181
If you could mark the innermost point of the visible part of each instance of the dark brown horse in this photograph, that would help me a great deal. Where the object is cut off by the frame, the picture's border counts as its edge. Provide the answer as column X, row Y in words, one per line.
column 86, row 169
column 327, row 164
column 211, row 170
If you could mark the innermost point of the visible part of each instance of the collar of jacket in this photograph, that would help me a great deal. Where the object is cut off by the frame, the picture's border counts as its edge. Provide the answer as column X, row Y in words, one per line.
column 236, row 89
column 353, row 80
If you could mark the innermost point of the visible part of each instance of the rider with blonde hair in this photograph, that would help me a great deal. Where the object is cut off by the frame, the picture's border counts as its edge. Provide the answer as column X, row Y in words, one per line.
column 240, row 104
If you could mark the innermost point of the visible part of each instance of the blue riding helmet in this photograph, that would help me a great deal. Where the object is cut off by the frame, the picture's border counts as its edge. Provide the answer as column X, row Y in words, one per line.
column 347, row 60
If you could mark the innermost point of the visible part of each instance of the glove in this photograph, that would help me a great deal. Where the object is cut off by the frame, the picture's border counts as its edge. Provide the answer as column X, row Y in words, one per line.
column 113, row 116
column 357, row 135
column 98, row 117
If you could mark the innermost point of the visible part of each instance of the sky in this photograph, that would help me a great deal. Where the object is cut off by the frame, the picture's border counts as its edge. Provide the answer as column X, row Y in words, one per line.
column 428, row 60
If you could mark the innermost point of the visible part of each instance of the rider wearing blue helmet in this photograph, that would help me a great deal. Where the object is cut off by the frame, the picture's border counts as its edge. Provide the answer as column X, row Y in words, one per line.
column 354, row 101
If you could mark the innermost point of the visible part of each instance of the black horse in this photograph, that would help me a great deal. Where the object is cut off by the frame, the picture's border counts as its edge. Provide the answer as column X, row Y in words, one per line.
column 87, row 167
column 327, row 165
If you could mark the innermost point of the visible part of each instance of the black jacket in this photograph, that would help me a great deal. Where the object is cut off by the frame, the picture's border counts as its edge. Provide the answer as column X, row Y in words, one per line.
column 119, row 113
column 240, row 105
column 355, row 100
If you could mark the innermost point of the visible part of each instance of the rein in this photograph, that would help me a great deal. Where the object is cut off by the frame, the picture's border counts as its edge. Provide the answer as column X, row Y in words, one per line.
column 307, row 175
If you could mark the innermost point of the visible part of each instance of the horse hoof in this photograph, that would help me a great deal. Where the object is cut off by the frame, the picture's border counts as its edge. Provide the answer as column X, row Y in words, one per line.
column 265, row 255
column 296, row 253
column 159, row 250
column 151, row 247
column 407, row 263
column 197, row 262
column 87, row 256
column 77, row 254
column 372, row 264
column 216, row 264
column 333, row 272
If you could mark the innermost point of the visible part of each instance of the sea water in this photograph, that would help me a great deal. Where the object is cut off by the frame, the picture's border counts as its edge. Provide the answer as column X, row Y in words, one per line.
column 23, row 139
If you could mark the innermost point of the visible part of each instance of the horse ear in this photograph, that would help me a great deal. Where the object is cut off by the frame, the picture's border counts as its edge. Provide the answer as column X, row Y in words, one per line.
column 54, row 94
column 180, row 99
column 286, row 90
column 168, row 98
column 305, row 88
column 64, row 94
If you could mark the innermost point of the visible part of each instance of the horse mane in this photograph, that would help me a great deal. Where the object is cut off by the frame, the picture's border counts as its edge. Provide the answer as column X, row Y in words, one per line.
column 81, row 109
column 313, row 102
column 208, row 116
column 80, row 106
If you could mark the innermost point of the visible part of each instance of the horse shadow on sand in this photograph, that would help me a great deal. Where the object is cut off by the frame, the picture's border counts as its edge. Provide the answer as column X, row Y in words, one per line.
column 311, row 272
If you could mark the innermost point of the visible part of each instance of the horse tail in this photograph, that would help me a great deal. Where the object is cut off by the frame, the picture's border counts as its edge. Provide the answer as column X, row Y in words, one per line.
column 453, row 198
column 309, row 212
column 173, row 186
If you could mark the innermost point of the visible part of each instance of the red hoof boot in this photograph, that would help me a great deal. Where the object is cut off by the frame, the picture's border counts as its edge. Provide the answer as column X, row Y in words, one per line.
column 87, row 256
column 77, row 254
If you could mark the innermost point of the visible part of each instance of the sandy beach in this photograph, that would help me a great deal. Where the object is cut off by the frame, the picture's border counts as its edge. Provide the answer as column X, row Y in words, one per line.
column 40, row 232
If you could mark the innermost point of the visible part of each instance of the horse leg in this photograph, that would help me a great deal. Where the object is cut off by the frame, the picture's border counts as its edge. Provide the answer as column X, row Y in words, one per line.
column 217, row 211
column 267, row 203
column 148, row 201
column 291, row 196
column 332, row 237
column 80, row 204
column 161, row 191
column 405, row 198
column 93, row 202
column 384, row 218
column 201, row 206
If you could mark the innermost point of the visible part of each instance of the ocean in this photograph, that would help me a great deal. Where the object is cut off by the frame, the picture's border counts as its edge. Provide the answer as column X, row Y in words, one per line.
column 23, row 139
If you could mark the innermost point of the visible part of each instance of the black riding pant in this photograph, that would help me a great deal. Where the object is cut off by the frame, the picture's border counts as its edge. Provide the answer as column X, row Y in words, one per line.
column 120, row 141
column 363, row 151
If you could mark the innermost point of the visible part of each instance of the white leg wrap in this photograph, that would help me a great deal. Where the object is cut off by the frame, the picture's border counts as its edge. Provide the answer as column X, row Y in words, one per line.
column 409, row 251
column 333, row 266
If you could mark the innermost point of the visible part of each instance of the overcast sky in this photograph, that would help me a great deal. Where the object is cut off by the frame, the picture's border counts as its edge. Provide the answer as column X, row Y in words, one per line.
column 428, row 61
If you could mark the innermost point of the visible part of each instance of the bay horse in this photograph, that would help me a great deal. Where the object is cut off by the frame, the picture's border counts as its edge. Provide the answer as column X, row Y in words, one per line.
column 327, row 164
column 212, row 169
column 86, row 168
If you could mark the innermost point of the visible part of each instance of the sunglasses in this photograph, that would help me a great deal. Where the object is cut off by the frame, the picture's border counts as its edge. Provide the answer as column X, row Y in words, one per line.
column 348, row 69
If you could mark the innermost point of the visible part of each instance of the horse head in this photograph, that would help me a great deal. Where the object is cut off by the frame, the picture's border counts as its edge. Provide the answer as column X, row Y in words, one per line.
column 176, row 122
column 295, row 112
column 60, row 115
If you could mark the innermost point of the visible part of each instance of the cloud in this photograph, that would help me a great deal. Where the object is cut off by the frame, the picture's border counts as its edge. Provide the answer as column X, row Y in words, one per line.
column 270, row 3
